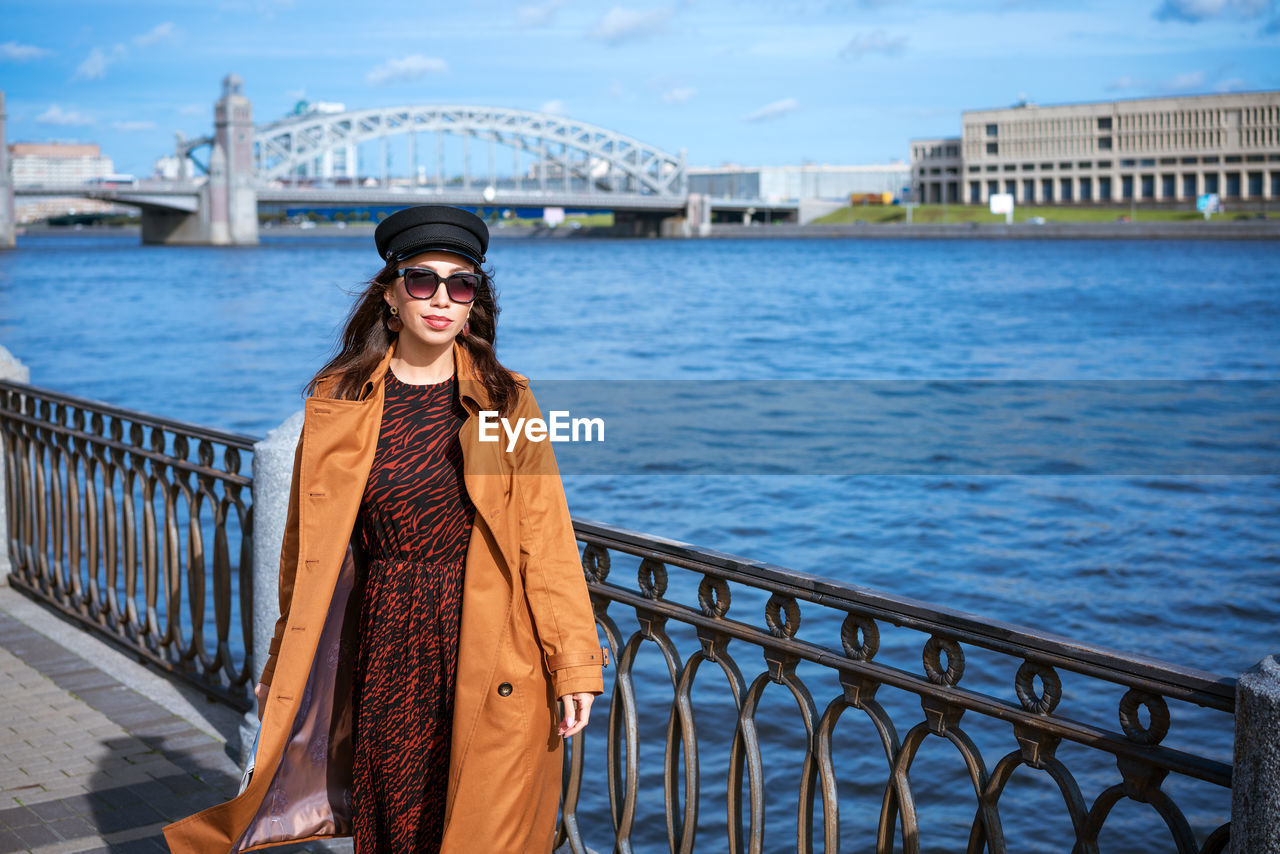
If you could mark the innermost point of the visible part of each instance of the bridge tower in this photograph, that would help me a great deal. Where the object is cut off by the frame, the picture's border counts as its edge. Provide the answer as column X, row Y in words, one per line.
column 8, row 226
column 227, row 209
column 233, row 133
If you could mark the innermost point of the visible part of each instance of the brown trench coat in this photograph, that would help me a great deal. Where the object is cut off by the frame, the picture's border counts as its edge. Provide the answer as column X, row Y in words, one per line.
column 527, row 637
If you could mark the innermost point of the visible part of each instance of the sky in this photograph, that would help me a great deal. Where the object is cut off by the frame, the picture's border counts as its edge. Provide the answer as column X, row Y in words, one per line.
column 753, row 82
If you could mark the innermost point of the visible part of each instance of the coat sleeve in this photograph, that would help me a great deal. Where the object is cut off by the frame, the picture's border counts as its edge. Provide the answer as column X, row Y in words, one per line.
column 552, row 568
column 288, row 567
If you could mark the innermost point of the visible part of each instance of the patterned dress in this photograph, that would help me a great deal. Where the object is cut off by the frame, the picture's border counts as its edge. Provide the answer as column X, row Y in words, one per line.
column 414, row 526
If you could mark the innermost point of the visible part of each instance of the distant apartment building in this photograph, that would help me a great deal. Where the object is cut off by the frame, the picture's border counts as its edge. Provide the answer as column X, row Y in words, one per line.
column 36, row 164
column 796, row 183
column 57, row 163
column 1143, row 150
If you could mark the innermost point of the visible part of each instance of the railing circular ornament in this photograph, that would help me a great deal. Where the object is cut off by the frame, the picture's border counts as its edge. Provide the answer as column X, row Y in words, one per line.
column 652, row 578
column 934, row 648
column 1156, row 708
column 1024, row 683
column 713, row 596
column 864, row 648
column 782, row 625
column 595, row 562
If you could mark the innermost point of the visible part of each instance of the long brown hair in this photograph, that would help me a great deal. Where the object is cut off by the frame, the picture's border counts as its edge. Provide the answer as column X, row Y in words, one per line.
column 365, row 339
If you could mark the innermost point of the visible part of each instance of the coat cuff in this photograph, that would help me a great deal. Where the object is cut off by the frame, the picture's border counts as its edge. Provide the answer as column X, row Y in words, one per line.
column 269, row 669
column 598, row 657
column 578, row 672
column 586, row 679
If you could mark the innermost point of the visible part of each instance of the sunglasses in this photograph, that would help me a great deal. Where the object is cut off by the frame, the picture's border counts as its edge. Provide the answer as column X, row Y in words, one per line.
column 422, row 282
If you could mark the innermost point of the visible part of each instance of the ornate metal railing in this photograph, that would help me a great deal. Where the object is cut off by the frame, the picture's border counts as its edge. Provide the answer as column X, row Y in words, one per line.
column 679, row 587
column 110, row 514
column 136, row 527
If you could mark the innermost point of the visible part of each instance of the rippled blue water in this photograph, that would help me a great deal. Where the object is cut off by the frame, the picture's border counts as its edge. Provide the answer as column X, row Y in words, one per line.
column 1183, row 568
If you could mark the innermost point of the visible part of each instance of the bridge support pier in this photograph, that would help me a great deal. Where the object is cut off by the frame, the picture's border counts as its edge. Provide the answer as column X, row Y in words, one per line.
column 8, row 224
column 697, row 216
column 639, row 224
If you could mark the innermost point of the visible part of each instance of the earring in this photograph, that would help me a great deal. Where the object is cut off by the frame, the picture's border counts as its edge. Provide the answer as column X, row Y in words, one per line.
column 394, row 323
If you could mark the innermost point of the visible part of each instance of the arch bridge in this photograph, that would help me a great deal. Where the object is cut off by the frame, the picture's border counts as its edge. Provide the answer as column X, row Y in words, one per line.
column 568, row 155
column 312, row 158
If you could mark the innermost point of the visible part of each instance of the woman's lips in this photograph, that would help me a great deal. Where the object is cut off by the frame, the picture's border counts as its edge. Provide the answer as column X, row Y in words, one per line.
column 435, row 321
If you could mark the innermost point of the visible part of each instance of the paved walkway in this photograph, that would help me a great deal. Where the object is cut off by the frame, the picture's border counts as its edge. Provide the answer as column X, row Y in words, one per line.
column 98, row 752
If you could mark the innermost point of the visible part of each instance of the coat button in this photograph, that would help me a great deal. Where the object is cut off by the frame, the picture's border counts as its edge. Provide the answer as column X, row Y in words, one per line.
column 505, row 689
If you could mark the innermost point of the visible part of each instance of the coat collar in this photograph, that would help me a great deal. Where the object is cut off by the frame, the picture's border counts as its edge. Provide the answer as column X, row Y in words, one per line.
column 471, row 387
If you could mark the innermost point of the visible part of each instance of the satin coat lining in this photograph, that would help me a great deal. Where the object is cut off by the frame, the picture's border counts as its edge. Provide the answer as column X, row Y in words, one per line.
column 310, row 792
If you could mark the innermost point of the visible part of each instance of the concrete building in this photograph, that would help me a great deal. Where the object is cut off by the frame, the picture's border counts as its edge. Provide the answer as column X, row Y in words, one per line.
column 796, row 183
column 57, row 163
column 1144, row 150
column 935, row 170
column 53, row 164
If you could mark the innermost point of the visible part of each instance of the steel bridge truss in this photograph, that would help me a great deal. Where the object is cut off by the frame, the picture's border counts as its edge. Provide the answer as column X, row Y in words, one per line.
column 605, row 160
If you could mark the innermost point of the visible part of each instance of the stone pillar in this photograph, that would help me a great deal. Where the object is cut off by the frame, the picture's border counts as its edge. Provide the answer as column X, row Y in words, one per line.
column 272, row 479
column 8, row 224
column 10, row 369
column 697, row 217
column 214, row 203
column 233, row 131
column 1255, row 777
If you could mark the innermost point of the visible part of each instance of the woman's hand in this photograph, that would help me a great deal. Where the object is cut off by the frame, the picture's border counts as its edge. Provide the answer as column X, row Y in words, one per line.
column 260, row 691
column 576, row 710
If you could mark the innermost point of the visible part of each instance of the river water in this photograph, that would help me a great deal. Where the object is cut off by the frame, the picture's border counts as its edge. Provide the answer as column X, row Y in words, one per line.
column 1182, row 567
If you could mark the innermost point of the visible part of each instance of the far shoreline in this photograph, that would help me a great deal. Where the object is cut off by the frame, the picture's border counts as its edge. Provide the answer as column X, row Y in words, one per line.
column 1244, row 229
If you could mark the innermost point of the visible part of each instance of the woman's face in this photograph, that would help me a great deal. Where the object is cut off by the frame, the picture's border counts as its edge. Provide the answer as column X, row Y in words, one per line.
column 437, row 319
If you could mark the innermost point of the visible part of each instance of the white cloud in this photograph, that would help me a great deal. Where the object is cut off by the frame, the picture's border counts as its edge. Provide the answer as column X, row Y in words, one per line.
column 134, row 125
column 1233, row 84
column 1120, row 84
column 1188, row 81
column 621, row 25
column 165, row 32
column 875, row 41
column 55, row 115
column 1193, row 11
column 774, row 110
column 555, row 106
column 95, row 65
column 265, row 8
column 538, row 14
column 404, row 68
column 616, row 90
column 679, row 94
column 14, row 52
column 195, row 110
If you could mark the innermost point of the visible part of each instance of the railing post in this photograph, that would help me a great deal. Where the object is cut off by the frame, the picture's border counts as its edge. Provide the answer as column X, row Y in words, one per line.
column 1255, row 779
column 272, row 477
column 10, row 369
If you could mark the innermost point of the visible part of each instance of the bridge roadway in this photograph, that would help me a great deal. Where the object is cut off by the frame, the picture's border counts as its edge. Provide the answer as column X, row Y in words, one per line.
column 183, row 195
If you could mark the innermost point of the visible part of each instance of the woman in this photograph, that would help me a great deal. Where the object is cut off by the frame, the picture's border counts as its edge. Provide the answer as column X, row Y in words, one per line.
column 436, row 642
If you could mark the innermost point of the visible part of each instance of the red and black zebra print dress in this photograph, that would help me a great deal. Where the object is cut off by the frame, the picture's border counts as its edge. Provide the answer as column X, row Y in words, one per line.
column 415, row 524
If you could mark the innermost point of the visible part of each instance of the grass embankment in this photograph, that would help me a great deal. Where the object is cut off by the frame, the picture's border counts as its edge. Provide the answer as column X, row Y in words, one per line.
column 979, row 213
column 603, row 219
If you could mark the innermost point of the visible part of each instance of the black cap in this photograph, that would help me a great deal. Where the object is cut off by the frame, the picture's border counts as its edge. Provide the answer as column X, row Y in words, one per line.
column 425, row 227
